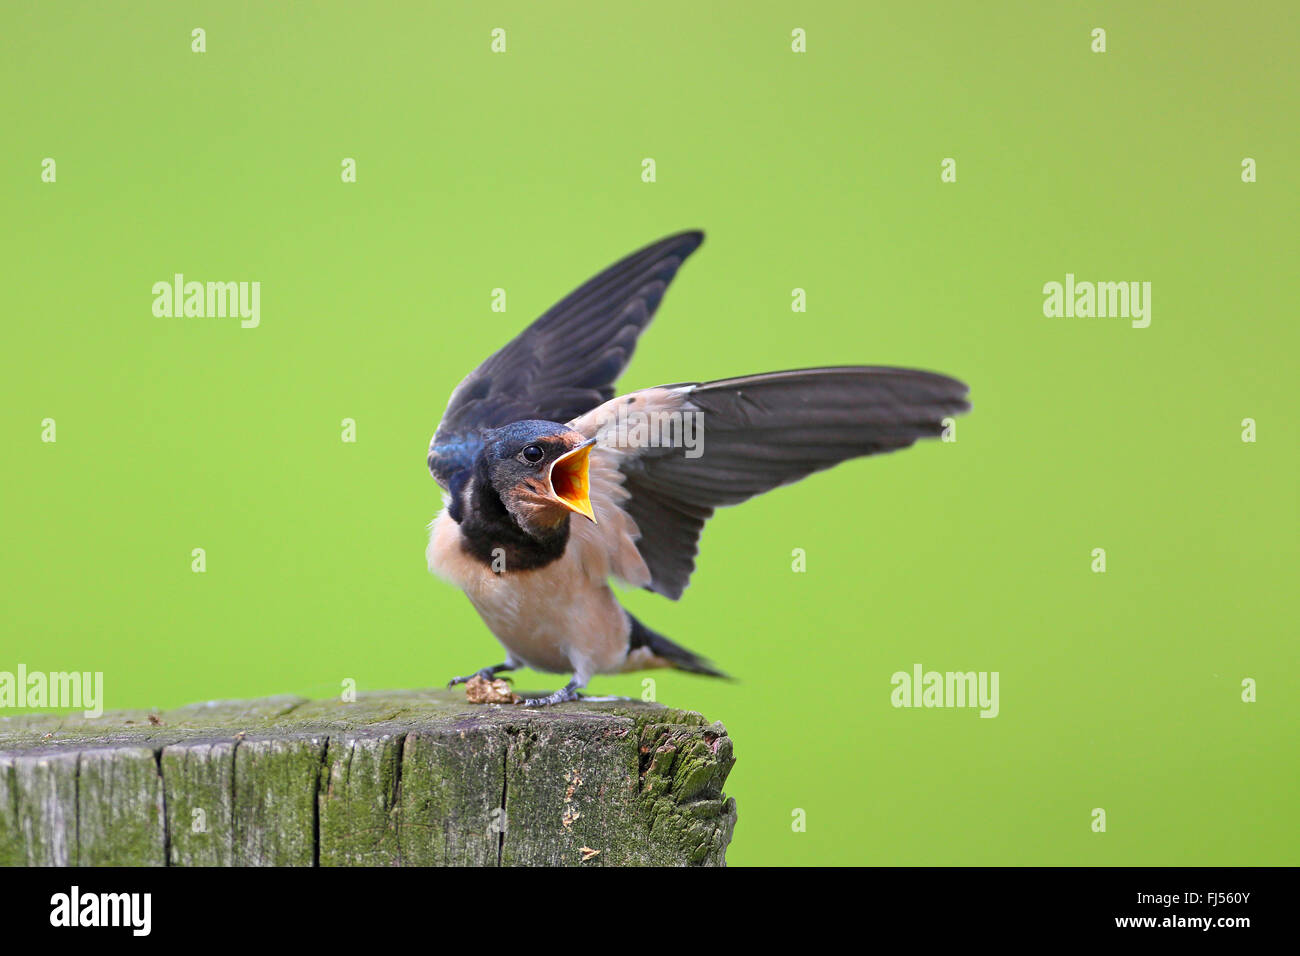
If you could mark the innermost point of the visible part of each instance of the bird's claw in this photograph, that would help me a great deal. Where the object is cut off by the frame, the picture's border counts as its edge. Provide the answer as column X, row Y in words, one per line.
column 559, row 697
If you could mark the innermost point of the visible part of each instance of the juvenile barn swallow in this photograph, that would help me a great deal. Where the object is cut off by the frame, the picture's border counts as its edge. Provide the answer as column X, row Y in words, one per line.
column 552, row 485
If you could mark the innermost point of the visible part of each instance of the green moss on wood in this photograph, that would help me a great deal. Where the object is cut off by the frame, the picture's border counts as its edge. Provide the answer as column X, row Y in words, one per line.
column 199, row 783
column 120, row 808
column 395, row 778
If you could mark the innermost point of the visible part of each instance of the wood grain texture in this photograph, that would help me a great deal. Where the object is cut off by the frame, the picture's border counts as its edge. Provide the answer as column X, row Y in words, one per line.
column 416, row 778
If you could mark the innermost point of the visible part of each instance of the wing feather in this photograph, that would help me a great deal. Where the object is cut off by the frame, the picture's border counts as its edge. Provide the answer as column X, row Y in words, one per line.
column 565, row 362
column 759, row 432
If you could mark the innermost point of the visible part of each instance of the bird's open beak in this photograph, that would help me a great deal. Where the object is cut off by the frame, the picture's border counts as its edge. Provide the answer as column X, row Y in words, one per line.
column 570, row 484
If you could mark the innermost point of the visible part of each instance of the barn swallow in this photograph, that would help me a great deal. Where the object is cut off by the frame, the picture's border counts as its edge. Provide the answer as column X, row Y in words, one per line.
column 548, row 494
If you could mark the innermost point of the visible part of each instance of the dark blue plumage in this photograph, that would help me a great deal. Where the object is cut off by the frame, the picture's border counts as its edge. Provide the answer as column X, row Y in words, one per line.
column 513, row 449
column 563, row 364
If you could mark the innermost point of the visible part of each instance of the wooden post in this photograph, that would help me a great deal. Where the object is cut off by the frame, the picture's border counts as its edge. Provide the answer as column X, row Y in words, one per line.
column 396, row 778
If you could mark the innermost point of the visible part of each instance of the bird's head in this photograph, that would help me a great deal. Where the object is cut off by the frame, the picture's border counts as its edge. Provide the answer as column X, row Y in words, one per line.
column 539, row 471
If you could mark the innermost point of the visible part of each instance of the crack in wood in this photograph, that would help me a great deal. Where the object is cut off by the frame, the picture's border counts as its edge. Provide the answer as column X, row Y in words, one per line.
column 402, row 778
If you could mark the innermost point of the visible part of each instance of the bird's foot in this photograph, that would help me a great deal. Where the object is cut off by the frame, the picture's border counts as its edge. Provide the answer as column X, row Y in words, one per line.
column 567, row 692
column 488, row 674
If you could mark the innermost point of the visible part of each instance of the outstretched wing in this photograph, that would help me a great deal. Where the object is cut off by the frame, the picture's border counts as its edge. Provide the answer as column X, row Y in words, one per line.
column 758, row 432
column 566, row 362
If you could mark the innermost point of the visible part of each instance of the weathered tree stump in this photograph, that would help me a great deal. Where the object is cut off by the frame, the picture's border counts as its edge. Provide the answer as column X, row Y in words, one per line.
column 395, row 778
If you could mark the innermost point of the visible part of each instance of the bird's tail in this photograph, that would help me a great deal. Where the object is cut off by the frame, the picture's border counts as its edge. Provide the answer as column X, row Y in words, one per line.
column 648, row 649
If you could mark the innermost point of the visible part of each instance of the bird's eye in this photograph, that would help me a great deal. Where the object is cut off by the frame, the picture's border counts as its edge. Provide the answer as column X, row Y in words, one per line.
column 533, row 454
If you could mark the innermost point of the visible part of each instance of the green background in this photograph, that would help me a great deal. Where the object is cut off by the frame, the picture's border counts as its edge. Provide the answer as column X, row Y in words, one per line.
column 820, row 171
